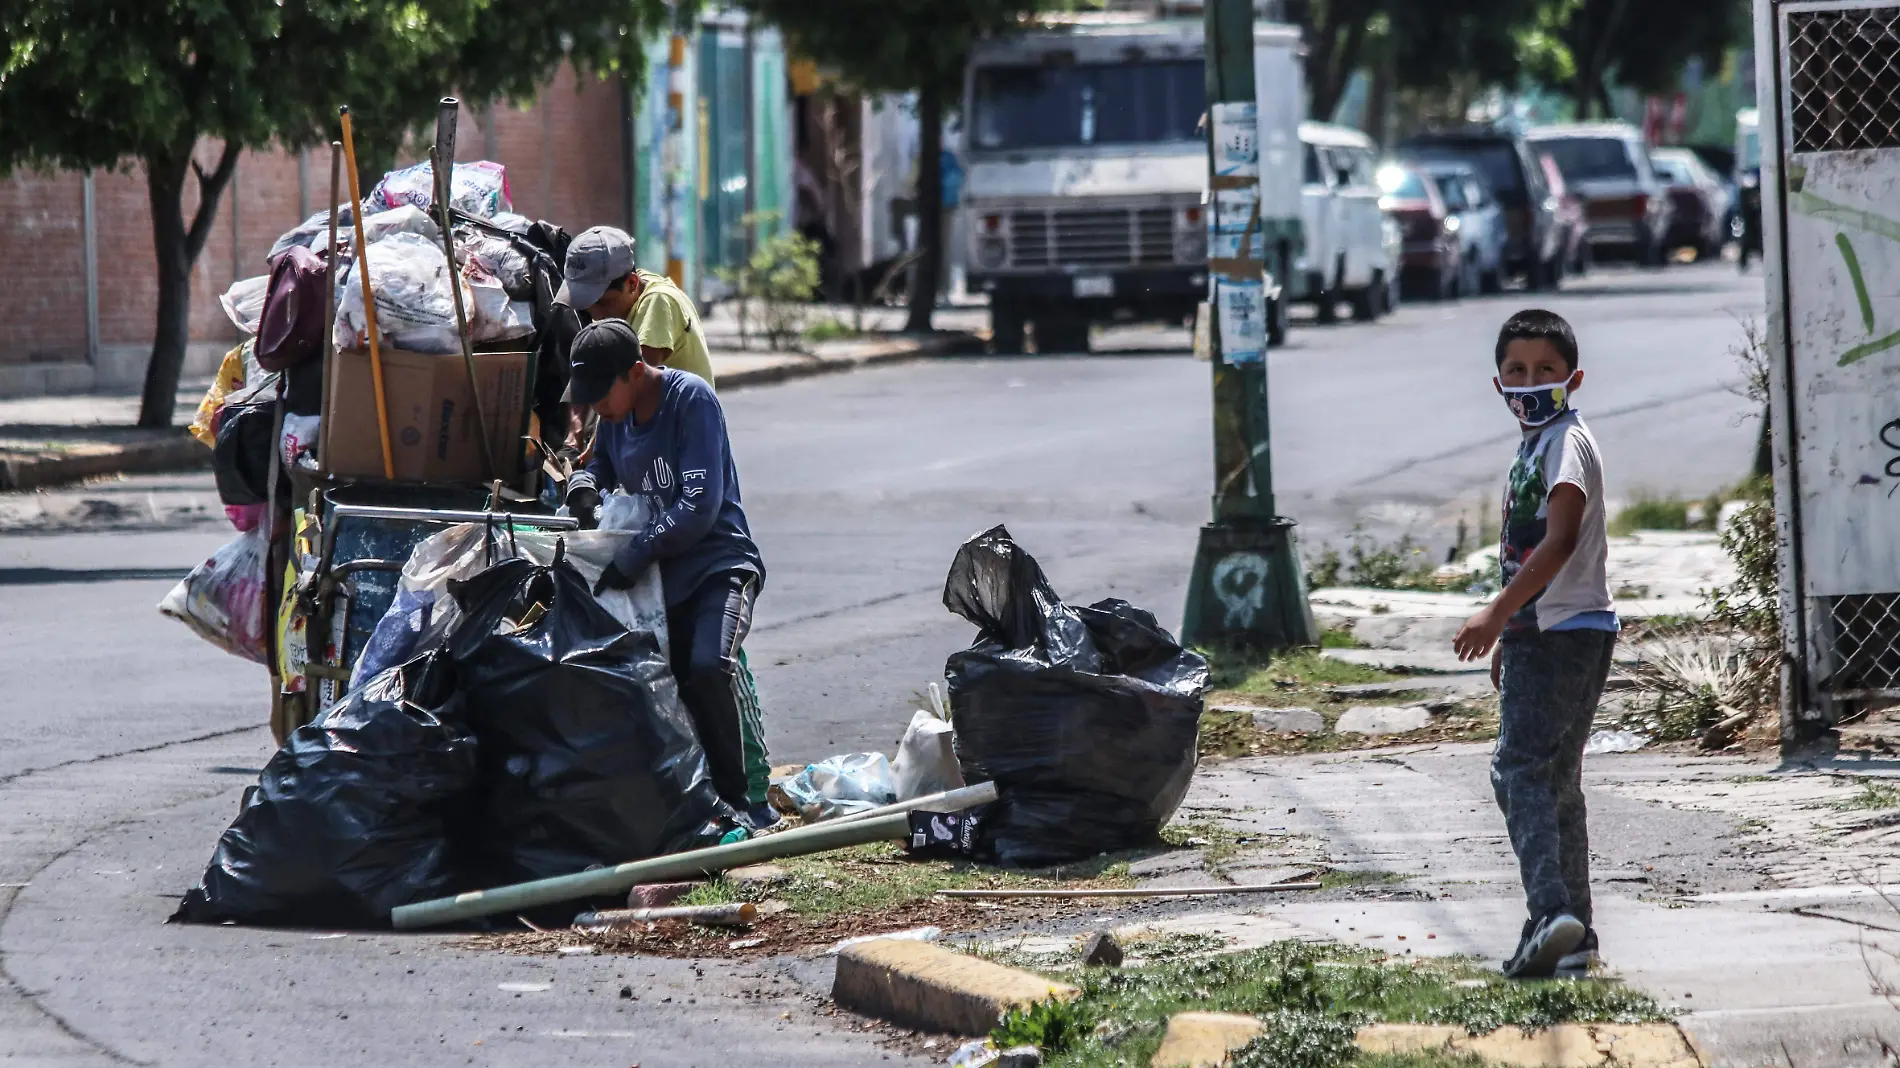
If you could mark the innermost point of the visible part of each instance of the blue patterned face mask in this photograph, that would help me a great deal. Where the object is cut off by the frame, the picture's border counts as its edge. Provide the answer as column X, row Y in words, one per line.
column 1537, row 405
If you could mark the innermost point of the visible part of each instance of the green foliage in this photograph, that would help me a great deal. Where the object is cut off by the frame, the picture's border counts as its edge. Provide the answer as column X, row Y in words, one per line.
column 1400, row 565
column 781, row 276
column 1752, row 603
column 1653, row 514
column 1315, row 996
column 1578, row 45
column 1871, row 795
column 829, row 329
column 1052, row 1026
column 1295, row 1039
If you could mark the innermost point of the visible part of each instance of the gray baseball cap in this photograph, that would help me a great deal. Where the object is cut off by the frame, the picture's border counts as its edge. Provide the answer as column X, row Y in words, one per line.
column 599, row 256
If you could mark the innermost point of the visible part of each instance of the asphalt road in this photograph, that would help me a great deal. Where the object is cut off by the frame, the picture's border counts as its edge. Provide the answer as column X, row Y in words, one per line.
column 125, row 741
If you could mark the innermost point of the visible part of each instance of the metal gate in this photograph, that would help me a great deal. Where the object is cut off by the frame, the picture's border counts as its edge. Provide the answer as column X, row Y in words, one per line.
column 1831, row 179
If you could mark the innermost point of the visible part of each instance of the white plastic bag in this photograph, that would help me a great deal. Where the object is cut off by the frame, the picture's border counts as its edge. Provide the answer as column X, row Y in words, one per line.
column 479, row 188
column 492, row 316
column 244, row 302
column 402, row 219
column 414, row 308
column 927, row 757
column 299, row 441
column 223, row 598
column 840, row 785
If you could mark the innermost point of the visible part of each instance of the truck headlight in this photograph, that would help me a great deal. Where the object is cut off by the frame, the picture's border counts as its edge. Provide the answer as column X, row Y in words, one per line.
column 991, row 252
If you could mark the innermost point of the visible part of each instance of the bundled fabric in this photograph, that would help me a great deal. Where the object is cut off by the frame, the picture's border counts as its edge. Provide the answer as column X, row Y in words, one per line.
column 479, row 188
column 361, row 811
column 1085, row 718
column 588, row 756
column 222, row 600
column 415, row 309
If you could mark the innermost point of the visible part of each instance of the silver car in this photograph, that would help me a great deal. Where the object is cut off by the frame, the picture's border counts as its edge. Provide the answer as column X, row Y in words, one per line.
column 1626, row 205
column 1482, row 230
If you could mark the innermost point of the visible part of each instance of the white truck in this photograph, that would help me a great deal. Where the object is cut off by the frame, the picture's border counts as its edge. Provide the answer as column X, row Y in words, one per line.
column 1086, row 175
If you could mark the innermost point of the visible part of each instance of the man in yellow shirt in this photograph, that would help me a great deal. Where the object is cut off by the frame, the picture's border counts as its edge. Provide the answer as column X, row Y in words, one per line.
column 602, row 281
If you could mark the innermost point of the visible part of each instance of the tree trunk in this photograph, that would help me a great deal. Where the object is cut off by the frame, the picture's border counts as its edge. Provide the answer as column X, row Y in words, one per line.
column 928, row 272
column 176, row 247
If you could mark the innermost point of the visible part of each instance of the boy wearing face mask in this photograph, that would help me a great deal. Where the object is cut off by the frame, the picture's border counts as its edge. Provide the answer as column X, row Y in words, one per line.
column 1550, row 634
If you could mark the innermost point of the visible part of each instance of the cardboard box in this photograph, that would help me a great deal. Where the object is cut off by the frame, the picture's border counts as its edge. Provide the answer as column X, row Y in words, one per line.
column 433, row 436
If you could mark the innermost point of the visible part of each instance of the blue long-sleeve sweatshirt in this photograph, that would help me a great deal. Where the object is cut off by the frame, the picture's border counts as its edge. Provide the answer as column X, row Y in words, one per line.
column 681, row 461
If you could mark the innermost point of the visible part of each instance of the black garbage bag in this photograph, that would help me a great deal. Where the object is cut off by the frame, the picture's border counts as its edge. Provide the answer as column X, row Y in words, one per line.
column 588, row 757
column 1085, row 718
column 358, row 813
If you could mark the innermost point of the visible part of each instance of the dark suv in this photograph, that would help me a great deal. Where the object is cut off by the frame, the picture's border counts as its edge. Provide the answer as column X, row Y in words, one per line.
column 1533, row 247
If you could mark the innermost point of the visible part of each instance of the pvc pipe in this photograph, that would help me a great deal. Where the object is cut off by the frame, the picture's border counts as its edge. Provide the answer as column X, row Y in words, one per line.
column 602, row 882
column 733, row 915
column 950, row 801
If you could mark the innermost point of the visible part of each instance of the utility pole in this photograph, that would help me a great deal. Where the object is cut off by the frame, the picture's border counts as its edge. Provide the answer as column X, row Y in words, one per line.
column 1247, row 587
column 673, row 154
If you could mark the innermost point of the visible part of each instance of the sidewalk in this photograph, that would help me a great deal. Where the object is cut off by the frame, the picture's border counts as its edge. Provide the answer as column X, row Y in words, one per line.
column 53, row 440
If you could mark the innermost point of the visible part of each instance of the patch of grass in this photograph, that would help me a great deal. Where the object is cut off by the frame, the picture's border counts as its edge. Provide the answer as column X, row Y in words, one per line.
column 872, row 878
column 1349, row 878
column 1656, row 514
column 1217, row 842
column 1243, row 671
column 1316, row 996
column 1339, row 638
column 714, row 892
column 1400, row 565
column 828, row 329
column 1162, row 946
column 1433, row 1058
column 1871, row 795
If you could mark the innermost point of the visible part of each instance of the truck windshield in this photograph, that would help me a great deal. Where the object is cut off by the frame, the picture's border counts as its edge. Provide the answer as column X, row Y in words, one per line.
column 1584, row 159
column 1091, row 104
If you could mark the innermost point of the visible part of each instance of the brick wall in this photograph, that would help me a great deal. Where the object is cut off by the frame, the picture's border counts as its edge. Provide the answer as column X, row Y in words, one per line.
column 564, row 157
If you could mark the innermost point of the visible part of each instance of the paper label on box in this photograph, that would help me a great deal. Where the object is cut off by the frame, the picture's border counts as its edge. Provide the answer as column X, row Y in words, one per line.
column 1243, row 320
column 1236, row 139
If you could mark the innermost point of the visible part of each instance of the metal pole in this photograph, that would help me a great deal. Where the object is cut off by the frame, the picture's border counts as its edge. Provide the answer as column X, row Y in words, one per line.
column 603, row 882
column 90, row 221
column 1246, row 587
column 442, row 168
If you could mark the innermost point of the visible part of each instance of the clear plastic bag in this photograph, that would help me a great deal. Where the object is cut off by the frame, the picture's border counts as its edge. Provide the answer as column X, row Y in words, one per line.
column 222, row 600
column 478, row 188
column 414, row 307
column 927, row 757
column 244, row 302
column 402, row 219
column 840, row 785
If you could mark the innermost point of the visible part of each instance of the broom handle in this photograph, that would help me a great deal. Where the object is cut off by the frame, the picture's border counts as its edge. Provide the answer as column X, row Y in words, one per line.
column 369, row 299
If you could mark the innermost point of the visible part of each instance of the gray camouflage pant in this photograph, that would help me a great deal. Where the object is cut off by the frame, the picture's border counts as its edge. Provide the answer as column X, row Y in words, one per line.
column 1549, row 686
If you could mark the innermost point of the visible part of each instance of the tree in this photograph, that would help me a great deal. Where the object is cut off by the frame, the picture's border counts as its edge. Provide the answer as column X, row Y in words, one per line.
column 1643, row 45
column 1422, row 45
column 894, row 46
column 118, row 83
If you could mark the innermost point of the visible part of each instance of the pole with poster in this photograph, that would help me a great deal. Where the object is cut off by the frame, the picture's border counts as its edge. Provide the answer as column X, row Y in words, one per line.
column 1247, row 587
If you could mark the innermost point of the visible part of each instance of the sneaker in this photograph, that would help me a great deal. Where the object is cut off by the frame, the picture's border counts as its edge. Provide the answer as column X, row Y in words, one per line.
column 759, row 817
column 1545, row 944
column 1580, row 961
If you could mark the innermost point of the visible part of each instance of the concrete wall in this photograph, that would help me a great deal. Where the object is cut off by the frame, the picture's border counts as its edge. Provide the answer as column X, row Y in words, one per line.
column 565, row 156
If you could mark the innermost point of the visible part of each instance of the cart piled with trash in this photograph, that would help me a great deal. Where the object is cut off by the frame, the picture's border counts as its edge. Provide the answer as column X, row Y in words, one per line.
column 468, row 732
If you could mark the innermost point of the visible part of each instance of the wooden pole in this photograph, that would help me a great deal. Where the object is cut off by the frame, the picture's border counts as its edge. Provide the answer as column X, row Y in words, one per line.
column 369, row 298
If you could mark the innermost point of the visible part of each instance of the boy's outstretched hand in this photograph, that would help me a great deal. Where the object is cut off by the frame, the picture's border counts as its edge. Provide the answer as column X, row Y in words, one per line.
column 1479, row 633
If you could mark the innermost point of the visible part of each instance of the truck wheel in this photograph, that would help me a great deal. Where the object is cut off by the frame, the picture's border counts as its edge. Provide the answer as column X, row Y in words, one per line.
column 1279, row 321
column 1365, row 302
column 1006, row 330
column 1326, row 303
column 1062, row 334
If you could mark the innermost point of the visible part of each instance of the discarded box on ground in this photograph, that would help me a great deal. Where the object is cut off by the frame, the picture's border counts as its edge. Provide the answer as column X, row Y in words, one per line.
column 433, row 433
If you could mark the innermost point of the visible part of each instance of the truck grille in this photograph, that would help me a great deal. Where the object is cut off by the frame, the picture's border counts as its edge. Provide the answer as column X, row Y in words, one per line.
column 1117, row 237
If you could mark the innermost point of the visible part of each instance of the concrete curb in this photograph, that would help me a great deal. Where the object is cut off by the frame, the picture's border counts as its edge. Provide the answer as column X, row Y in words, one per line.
column 180, row 453
column 894, row 350
column 1205, row 1039
column 929, row 987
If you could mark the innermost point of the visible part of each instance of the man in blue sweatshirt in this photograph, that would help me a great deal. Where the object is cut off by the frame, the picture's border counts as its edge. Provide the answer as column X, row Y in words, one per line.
column 663, row 435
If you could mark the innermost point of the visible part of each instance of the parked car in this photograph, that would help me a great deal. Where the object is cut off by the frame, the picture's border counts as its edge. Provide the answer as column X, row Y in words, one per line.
column 1533, row 250
column 1432, row 263
column 1345, row 245
column 1626, row 206
column 1481, row 226
column 1567, row 219
column 1720, row 160
column 1700, row 201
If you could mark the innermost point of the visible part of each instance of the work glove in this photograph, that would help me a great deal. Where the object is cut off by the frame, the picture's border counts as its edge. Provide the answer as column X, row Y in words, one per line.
column 583, row 503
column 613, row 579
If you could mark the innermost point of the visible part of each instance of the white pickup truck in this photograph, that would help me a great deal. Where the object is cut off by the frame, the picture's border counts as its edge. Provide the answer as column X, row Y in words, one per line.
column 1086, row 175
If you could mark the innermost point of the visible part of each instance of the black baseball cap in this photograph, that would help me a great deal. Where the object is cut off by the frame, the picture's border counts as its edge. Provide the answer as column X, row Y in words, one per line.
column 602, row 352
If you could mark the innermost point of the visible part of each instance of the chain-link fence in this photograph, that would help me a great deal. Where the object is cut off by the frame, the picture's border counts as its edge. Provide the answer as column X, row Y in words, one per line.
column 1865, row 642
column 1844, row 79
